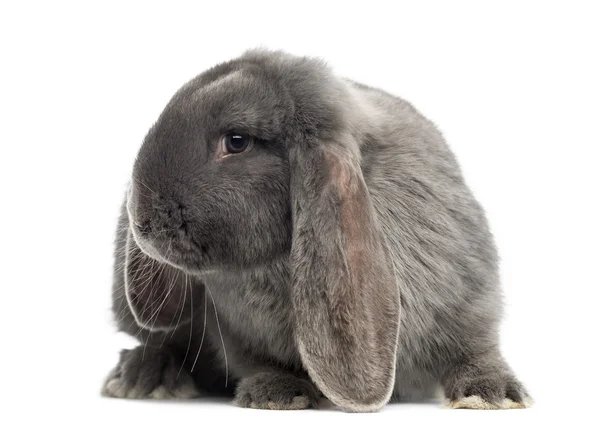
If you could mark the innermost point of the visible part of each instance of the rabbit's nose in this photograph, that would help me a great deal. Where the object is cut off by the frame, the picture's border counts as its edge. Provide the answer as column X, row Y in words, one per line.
column 168, row 214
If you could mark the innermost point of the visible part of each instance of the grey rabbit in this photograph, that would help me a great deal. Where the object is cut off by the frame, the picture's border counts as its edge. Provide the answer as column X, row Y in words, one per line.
column 289, row 234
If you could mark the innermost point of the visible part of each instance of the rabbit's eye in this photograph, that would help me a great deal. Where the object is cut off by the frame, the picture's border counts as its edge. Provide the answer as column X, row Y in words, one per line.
column 236, row 143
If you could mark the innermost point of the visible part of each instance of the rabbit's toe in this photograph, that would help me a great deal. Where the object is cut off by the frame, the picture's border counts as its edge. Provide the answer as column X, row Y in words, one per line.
column 152, row 373
column 276, row 391
column 500, row 392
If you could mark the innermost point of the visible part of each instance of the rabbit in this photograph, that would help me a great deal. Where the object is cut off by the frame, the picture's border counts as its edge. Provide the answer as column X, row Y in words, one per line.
column 290, row 235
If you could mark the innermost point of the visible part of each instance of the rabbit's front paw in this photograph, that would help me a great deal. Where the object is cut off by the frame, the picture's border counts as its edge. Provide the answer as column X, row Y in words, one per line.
column 153, row 373
column 276, row 391
column 492, row 392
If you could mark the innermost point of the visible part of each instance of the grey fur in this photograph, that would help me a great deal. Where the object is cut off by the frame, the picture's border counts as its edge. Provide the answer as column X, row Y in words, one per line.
column 344, row 249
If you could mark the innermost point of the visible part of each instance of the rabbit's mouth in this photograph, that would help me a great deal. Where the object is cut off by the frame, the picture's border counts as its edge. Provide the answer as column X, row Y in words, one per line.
column 161, row 230
column 177, row 251
column 174, row 248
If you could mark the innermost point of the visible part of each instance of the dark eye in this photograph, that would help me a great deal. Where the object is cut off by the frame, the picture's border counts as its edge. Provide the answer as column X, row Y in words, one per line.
column 236, row 143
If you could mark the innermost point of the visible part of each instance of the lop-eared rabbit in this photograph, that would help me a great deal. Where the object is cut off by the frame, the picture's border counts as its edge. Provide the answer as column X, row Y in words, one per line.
column 289, row 234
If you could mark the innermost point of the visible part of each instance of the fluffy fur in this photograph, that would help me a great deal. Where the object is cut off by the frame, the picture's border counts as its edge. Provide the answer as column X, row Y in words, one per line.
column 343, row 254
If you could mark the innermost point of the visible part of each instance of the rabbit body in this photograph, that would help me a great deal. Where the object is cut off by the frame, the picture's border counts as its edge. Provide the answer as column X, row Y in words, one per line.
column 241, row 320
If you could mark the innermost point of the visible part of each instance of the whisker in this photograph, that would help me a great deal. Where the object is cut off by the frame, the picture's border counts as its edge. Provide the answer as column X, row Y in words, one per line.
column 174, row 314
column 203, row 330
column 221, row 335
column 147, row 271
column 191, row 324
column 158, row 274
column 162, row 304
column 180, row 312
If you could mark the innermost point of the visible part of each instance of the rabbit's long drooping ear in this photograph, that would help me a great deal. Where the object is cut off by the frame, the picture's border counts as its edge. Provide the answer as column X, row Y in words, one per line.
column 345, row 296
column 157, row 293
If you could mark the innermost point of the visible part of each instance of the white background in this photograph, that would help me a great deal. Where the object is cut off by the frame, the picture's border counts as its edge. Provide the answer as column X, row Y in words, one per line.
column 514, row 87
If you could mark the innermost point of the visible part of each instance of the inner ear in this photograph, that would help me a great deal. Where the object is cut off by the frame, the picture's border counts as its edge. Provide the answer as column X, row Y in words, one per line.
column 158, row 294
